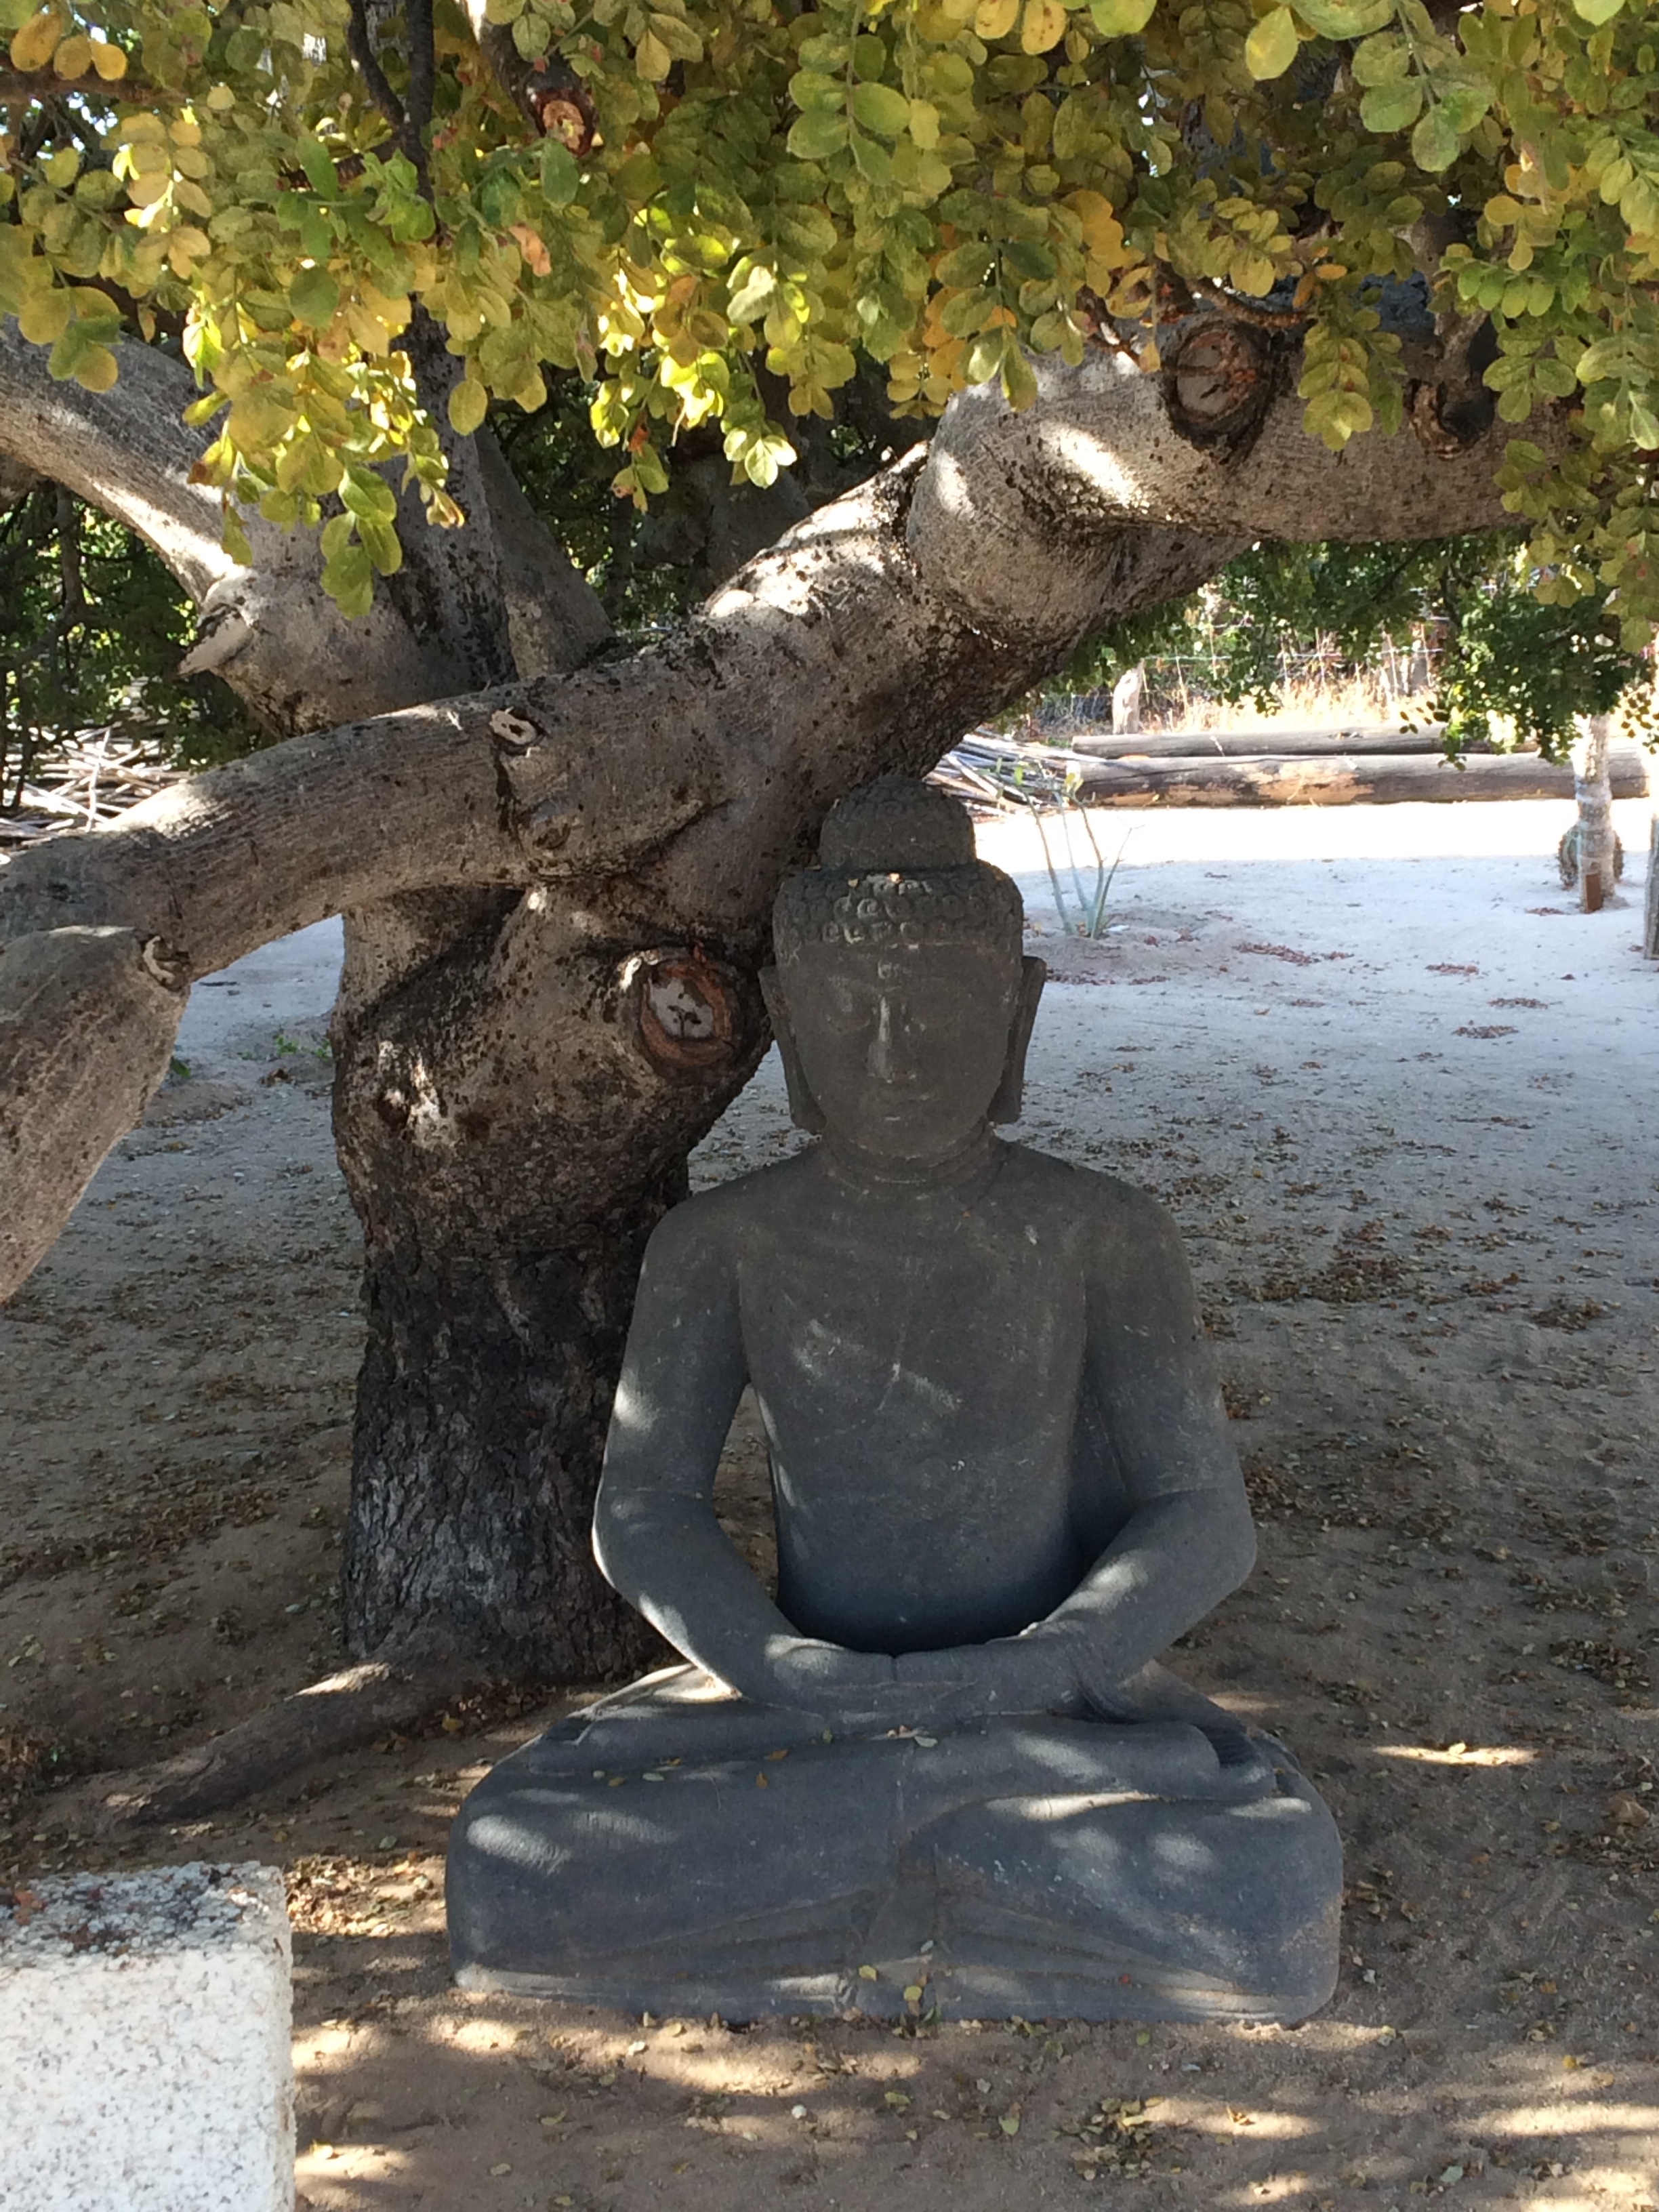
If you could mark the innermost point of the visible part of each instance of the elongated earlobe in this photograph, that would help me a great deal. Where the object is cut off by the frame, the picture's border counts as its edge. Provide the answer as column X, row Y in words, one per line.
column 1009, row 1102
column 803, row 1110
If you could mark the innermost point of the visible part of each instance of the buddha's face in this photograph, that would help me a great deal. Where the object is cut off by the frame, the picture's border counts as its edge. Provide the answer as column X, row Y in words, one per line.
column 902, row 1048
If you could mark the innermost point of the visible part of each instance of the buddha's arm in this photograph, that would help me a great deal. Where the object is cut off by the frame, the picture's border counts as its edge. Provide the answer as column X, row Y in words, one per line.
column 1188, row 1540
column 655, row 1534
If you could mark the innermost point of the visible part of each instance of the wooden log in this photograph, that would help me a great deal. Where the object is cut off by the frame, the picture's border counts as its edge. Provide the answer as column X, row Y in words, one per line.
column 1332, row 737
column 1342, row 779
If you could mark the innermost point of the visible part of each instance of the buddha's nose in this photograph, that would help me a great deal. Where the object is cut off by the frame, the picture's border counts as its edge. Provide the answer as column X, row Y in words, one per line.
column 888, row 1060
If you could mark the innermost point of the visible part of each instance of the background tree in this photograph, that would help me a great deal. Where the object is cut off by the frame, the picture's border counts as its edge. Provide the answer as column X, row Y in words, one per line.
column 271, row 265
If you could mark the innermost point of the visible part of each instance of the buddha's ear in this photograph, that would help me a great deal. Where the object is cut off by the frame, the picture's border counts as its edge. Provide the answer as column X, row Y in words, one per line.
column 1009, row 1102
column 803, row 1110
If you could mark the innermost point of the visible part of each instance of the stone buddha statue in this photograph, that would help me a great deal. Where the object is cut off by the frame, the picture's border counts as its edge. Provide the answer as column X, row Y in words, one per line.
column 1003, row 1486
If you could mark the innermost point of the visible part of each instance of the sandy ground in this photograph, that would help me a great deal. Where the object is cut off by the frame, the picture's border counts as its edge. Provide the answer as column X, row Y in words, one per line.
column 1401, row 1098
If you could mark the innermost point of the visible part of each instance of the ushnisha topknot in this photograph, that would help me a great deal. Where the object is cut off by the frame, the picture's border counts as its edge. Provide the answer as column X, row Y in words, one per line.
column 897, row 868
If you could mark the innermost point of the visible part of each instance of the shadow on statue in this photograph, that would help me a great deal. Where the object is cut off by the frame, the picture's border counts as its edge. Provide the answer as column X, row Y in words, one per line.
column 1003, row 1485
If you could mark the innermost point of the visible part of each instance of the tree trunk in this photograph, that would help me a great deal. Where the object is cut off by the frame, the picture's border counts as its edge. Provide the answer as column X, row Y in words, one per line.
column 509, row 1144
column 1594, row 841
column 481, row 1410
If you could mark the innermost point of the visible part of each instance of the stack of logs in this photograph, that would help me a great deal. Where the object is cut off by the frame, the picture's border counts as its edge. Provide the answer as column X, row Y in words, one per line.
column 84, row 782
column 1317, row 768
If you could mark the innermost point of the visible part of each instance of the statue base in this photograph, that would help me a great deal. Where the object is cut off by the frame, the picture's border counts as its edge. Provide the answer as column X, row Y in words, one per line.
column 675, row 1852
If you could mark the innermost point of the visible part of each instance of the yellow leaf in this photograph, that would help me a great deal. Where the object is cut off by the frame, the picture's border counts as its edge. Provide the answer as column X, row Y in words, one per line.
column 97, row 370
column 651, row 59
column 867, row 1973
column 1103, row 233
column 995, row 19
column 1270, row 47
column 73, row 56
column 32, row 47
column 111, row 62
column 1043, row 26
column 45, row 317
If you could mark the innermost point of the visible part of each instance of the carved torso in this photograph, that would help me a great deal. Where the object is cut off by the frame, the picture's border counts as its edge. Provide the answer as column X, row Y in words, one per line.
column 919, row 1364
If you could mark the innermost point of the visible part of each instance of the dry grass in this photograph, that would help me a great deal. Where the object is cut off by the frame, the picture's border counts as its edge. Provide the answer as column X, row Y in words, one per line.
column 1359, row 700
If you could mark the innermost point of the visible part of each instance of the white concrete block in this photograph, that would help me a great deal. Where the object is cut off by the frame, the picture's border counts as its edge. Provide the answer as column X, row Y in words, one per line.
column 145, row 2063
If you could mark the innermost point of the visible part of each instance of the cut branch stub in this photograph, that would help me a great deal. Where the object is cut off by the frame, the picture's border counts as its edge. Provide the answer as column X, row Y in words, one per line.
column 1449, row 418
column 1217, row 380
column 687, row 1011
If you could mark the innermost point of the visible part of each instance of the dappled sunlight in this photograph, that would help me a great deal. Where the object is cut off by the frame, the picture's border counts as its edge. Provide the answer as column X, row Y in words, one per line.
column 1099, row 466
column 1456, row 1754
column 1569, row 2118
column 789, row 579
column 447, row 2098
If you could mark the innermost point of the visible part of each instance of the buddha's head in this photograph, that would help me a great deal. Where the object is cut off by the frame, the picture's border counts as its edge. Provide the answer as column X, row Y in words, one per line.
column 901, row 1001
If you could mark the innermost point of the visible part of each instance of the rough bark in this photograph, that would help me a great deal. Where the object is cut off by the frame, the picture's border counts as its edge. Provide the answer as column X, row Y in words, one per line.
column 87, row 1017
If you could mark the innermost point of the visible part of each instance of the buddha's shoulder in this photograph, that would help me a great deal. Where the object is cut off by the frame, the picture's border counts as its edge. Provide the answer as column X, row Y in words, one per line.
column 713, row 1217
column 1085, row 1194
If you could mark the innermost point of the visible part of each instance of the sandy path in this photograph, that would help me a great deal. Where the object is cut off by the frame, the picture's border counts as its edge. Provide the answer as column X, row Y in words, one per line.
column 1419, row 1185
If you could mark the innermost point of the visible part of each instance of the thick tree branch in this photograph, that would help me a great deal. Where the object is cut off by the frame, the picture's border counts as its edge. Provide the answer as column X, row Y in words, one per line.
column 269, row 630
column 1005, row 494
column 671, row 787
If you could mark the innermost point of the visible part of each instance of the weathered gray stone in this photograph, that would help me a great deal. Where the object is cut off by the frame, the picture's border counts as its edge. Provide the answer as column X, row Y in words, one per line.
column 1004, row 1484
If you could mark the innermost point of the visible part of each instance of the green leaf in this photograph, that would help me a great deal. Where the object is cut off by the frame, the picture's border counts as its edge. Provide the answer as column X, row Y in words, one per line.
column 469, row 403
column 1384, row 59
column 369, row 497
column 318, row 166
column 381, row 541
column 1121, row 19
column 1390, row 107
column 314, row 295
column 880, row 108
column 871, row 157
column 1344, row 19
column 560, row 175
column 1019, row 389
column 349, row 579
column 1270, row 47
column 967, row 266
column 677, row 36
column 1597, row 11
column 1436, row 143
column 817, row 135
column 753, row 295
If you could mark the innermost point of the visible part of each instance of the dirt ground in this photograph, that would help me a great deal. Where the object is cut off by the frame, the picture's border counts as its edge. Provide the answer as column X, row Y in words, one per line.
column 1402, row 1101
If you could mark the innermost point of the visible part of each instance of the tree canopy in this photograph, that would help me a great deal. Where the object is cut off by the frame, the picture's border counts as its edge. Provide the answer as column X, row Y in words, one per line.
column 707, row 205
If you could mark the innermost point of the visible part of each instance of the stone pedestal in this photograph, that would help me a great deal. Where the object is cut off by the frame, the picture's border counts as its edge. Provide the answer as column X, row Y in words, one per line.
column 144, row 2043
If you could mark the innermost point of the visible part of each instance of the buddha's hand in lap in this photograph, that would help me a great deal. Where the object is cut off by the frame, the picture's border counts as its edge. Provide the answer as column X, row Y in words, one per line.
column 863, row 1690
column 1033, row 1673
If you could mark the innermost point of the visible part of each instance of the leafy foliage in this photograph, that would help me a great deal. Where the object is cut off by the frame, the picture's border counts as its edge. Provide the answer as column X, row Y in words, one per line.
column 711, row 189
column 1511, row 667
column 91, row 629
